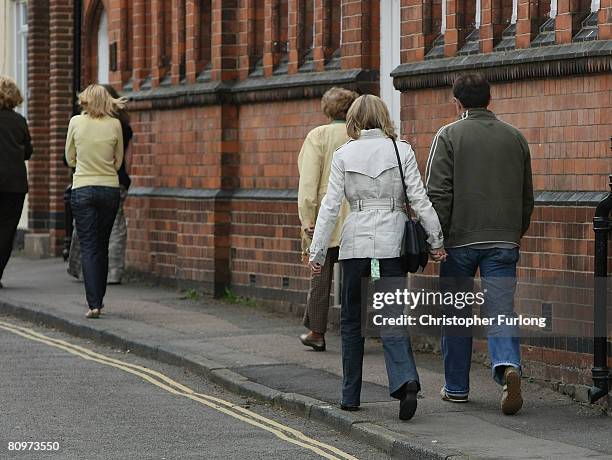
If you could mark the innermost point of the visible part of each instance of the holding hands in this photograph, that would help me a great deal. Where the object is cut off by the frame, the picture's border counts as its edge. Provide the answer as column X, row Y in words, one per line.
column 438, row 254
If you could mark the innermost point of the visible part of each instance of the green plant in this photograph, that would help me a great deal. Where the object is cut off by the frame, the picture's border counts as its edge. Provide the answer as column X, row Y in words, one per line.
column 191, row 294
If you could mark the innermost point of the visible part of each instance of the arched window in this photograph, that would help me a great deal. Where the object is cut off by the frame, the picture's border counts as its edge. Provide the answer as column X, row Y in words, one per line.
column 204, row 57
column 103, row 61
column 282, row 37
column 306, row 20
column 334, row 32
column 503, row 15
column 434, row 26
column 468, row 26
column 585, row 21
column 256, row 38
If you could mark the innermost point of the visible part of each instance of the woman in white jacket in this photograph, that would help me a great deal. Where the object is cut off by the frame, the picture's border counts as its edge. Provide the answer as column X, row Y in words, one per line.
column 365, row 171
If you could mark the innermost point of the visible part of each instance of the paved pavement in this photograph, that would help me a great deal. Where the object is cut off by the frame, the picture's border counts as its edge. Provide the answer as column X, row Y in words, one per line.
column 96, row 411
column 257, row 353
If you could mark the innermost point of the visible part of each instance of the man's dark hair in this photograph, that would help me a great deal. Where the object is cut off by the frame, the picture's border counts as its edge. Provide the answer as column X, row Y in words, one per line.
column 472, row 90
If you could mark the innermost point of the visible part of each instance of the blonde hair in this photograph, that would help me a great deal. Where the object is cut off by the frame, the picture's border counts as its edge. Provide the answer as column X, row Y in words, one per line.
column 369, row 112
column 336, row 102
column 97, row 102
column 10, row 96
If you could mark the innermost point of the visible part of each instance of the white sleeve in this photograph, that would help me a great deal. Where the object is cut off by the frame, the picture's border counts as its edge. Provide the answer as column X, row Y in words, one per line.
column 419, row 202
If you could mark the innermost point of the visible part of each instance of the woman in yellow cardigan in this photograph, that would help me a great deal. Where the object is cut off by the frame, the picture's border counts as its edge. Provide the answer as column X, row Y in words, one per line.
column 314, row 164
column 94, row 146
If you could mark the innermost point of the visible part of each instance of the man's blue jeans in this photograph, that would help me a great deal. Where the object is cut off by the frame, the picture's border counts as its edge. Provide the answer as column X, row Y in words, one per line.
column 94, row 209
column 498, row 274
column 399, row 359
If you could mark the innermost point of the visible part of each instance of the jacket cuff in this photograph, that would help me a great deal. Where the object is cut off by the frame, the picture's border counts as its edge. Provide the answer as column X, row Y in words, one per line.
column 318, row 257
column 436, row 241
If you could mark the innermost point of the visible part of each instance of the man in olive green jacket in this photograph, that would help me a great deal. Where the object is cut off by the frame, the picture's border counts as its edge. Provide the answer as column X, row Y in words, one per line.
column 314, row 164
column 478, row 179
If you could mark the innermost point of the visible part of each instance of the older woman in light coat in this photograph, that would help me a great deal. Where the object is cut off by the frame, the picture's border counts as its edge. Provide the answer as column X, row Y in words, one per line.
column 365, row 171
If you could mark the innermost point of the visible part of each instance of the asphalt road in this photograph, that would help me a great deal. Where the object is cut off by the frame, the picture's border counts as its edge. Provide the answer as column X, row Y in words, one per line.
column 99, row 403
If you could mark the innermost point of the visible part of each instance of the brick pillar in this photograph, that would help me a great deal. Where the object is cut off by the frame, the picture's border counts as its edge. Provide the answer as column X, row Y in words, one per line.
column 271, row 40
column 60, row 110
column 158, row 71
column 563, row 22
column 38, row 115
column 178, row 41
column 412, row 30
column 526, row 23
column 246, row 38
column 192, row 40
column 322, row 19
column 139, row 28
column 486, row 26
column 114, row 37
column 224, row 45
column 124, row 43
column 605, row 20
column 451, row 36
column 295, row 34
column 360, row 34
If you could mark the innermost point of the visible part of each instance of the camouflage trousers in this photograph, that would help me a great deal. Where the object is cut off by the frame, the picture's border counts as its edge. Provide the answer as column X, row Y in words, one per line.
column 116, row 248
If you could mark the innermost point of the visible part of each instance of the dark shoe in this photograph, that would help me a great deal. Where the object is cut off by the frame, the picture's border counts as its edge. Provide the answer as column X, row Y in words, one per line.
column 453, row 398
column 511, row 401
column 408, row 403
column 317, row 345
column 349, row 408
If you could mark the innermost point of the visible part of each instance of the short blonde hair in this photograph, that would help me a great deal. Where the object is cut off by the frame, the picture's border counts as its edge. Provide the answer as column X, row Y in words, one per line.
column 336, row 102
column 10, row 96
column 97, row 102
column 369, row 112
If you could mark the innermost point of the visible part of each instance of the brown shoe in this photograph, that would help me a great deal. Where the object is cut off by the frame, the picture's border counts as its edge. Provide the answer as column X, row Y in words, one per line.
column 316, row 344
column 93, row 313
column 511, row 401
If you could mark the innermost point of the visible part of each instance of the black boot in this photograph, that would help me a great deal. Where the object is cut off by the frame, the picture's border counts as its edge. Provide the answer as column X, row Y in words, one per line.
column 408, row 402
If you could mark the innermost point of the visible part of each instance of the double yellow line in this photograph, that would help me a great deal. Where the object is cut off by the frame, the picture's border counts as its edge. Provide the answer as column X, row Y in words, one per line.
column 171, row 386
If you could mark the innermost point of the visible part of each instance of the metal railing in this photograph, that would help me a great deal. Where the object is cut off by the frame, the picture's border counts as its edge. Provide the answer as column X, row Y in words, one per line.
column 602, row 225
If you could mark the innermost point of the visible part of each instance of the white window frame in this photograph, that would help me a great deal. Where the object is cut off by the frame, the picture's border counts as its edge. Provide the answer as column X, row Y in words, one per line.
column 390, row 34
column 103, row 49
column 21, row 51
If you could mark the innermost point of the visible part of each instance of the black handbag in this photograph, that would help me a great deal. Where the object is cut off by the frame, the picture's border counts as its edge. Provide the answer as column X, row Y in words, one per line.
column 415, row 249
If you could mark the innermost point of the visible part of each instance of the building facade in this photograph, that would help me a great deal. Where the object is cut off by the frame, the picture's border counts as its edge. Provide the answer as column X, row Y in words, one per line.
column 223, row 93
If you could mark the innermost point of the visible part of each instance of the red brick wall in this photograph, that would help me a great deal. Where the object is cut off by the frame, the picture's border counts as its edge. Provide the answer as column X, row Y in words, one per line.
column 565, row 120
column 271, row 135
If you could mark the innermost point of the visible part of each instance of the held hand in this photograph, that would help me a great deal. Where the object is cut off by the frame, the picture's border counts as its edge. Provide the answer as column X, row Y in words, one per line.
column 309, row 232
column 315, row 267
column 439, row 254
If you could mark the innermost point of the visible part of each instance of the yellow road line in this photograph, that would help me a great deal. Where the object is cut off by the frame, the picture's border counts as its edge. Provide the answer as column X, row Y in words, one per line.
column 166, row 383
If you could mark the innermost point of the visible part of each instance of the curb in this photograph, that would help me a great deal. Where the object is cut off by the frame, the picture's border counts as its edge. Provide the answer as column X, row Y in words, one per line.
column 393, row 444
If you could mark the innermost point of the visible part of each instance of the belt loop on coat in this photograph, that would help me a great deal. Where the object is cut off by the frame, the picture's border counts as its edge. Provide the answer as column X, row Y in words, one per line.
column 360, row 204
column 392, row 204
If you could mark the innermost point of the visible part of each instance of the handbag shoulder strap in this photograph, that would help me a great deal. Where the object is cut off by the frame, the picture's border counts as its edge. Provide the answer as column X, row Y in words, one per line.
column 401, row 171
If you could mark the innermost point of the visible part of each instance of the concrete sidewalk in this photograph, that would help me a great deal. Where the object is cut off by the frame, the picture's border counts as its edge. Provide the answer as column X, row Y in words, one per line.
column 257, row 353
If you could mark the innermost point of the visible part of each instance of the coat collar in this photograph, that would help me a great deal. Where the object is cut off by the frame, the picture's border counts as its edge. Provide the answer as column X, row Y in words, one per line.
column 371, row 133
column 477, row 113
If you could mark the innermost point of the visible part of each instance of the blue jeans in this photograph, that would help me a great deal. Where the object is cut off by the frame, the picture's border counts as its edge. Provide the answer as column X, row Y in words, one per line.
column 498, row 274
column 94, row 209
column 399, row 359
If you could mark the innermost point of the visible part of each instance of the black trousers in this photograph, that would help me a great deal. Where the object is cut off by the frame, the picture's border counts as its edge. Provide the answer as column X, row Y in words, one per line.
column 94, row 209
column 11, row 205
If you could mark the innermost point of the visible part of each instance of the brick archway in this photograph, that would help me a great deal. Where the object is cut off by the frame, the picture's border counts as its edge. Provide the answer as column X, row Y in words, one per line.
column 93, row 10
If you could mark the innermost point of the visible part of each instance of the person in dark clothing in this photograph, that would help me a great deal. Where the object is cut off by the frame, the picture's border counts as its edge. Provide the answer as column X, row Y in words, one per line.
column 479, row 182
column 15, row 150
column 118, row 239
